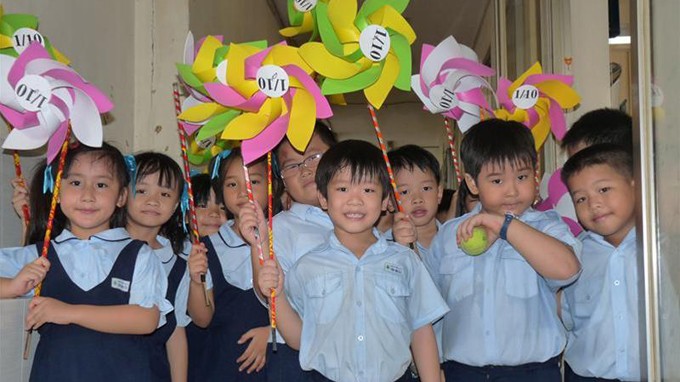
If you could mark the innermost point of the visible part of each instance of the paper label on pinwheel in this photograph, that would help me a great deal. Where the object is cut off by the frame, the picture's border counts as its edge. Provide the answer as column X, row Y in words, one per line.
column 272, row 81
column 367, row 50
column 525, row 97
column 451, row 82
column 40, row 97
column 304, row 5
column 23, row 37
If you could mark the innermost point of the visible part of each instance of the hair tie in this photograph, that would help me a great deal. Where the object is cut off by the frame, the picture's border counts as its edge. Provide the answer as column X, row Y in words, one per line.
column 218, row 160
column 131, row 165
column 48, row 180
column 184, row 206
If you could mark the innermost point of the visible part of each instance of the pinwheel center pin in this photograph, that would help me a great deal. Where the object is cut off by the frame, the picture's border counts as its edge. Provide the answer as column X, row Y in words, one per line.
column 304, row 5
column 374, row 42
column 525, row 96
column 23, row 37
column 33, row 92
column 272, row 80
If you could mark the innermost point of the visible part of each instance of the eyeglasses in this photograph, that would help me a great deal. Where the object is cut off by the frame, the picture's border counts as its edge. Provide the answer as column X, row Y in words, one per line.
column 294, row 168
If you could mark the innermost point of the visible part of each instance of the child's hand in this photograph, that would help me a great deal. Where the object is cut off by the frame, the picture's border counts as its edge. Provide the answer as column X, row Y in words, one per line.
column 43, row 310
column 252, row 224
column 270, row 277
column 19, row 196
column 403, row 229
column 198, row 262
column 255, row 355
column 491, row 223
column 29, row 276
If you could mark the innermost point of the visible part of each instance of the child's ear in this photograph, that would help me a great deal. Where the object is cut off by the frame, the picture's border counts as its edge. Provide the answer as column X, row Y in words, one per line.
column 122, row 197
column 440, row 193
column 472, row 185
column 385, row 203
column 323, row 202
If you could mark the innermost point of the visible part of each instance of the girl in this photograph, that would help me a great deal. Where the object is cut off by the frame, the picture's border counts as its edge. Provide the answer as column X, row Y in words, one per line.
column 103, row 291
column 230, row 344
column 210, row 211
column 154, row 215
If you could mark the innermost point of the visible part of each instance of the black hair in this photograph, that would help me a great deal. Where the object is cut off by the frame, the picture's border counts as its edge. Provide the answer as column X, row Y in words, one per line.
column 611, row 155
column 362, row 159
column 40, row 202
column 410, row 156
column 494, row 142
column 218, row 182
column 170, row 176
column 321, row 130
column 201, row 184
column 601, row 126
column 447, row 198
column 461, row 196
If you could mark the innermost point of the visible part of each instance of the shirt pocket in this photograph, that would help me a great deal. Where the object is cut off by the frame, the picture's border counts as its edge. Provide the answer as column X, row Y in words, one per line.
column 585, row 298
column 457, row 272
column 391, row 296
column 521, row 280
column 325, row 295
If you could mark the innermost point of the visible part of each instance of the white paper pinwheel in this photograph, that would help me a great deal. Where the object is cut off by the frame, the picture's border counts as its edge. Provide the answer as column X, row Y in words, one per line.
column 450, row 82
column 39, row 97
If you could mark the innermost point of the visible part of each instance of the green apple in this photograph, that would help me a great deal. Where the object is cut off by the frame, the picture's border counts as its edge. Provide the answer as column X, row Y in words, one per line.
column 476, row 244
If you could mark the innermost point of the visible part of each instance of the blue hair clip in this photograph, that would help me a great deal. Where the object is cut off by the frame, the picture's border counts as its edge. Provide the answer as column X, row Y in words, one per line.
column 218, row 159
column 131, row 165
column 48, row 180
column 184, row 206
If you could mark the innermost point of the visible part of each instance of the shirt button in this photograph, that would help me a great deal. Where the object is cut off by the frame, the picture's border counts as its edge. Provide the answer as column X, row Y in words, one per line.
column 358, row 303
column 487, row 332
column 617, row 282
column 621, row 350
column 360, row 338
column 392, row 290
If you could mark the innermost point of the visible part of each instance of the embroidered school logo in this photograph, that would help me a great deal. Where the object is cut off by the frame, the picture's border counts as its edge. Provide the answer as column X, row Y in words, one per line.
column 120, row 284
column 394, row 268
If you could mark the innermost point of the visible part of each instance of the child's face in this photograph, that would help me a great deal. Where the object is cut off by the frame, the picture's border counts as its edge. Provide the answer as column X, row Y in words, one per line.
column 604, row 201
column 234, row 185
column 90, row 195
column 507, row 188
column 299, row 180
column 354, row 207
column 152, row 205
column 210, row 216
column 420, row 195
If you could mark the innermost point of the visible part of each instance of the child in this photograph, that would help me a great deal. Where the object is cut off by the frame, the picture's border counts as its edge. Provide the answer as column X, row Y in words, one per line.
column 296, row 231
column 602, row 305
column 210, row 211
column 154, row 216
column 359, row 301
column 231, row 343
column 599, row 126
column 503, row 302
column 416, row 172
column 103, row 290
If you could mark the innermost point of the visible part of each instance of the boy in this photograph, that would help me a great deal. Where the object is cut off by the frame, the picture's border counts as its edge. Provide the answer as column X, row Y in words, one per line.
column 354, row 305
column 503, row 302
column 416, row 172
column 602, row 305
column 599, row 126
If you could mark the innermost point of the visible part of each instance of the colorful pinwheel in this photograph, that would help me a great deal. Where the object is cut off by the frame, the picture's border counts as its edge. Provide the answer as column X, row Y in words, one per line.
column 536, row 100
column 368, row 50
column 302, row 18
column 278, row 97
column 450, row 82
column 18, row 31
column 40, row 97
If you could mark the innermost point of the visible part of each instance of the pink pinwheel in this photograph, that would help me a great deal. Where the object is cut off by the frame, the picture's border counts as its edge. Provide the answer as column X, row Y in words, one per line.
column 536, row 100
column 278, row 97
column 39, row 97
column 450, row 82
column 556, row 196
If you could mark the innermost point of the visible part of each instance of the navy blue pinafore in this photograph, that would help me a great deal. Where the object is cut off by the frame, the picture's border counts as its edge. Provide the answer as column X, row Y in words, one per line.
column 213, row 351
column 74, row 353
column 160, row 367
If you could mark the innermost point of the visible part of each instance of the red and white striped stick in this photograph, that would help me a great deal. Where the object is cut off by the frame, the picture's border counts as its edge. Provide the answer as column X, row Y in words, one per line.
column 193, row 223
column 452, row 145
column 383, row 148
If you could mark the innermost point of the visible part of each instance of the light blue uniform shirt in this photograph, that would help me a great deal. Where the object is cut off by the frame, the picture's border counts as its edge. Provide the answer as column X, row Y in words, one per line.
column 168, row 259
column 234, row 256
column 297, row 231
column 502, row 311
column 601, row 311
column 88, row 262
column 358, row 314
